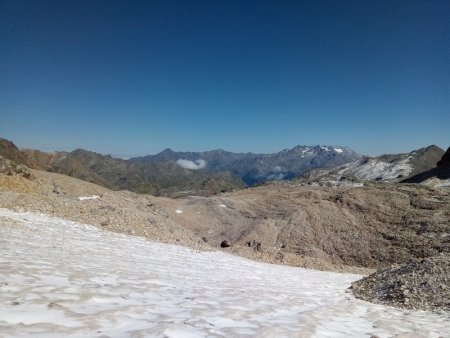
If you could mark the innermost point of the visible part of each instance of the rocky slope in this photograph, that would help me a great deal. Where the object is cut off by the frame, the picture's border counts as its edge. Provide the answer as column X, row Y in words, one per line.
column 369, row 226
column 422, row 284
column 257, row 168
column 9, row 151
column 11, row 168
column 385, row 168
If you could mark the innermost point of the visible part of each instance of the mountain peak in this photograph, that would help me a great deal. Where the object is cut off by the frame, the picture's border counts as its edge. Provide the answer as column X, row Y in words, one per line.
column 167, row 151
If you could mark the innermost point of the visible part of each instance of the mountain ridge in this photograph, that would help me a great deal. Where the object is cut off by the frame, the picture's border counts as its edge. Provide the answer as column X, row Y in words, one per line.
column 256, row 168
column 440, row 172
column 171, row 173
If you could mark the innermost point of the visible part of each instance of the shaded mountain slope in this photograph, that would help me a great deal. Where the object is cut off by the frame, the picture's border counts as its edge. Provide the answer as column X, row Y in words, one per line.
column 441, row 171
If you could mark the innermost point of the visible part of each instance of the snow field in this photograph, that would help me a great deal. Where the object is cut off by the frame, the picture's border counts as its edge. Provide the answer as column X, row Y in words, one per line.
column 59, row 278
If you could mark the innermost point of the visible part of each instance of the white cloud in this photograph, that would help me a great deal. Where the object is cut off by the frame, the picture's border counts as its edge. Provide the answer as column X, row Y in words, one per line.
column 193, row 165
column 276, row 176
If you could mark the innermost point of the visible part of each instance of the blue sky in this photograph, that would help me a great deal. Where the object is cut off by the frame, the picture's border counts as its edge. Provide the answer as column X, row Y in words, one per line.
column 135, row 77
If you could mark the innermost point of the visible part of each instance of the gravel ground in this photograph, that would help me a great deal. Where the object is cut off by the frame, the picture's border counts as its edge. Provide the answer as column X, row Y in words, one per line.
column 420, row 285
column 175, row 221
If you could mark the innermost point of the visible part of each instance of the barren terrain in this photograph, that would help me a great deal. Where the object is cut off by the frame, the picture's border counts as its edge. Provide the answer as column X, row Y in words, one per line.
column 328, row 228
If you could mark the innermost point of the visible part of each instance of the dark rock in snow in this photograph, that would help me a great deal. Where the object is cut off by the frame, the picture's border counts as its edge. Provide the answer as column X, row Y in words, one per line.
column 225, row 244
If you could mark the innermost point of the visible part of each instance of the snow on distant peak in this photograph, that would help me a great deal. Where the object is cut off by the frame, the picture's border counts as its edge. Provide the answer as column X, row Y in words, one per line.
column 338, row 150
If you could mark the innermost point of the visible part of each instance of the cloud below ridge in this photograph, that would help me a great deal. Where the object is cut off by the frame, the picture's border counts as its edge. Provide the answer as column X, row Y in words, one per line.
column 192, row 165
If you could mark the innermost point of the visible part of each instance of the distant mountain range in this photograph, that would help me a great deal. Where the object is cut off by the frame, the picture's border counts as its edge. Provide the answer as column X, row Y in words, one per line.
column 171, row 173
column 258, row 168
column 162, row 178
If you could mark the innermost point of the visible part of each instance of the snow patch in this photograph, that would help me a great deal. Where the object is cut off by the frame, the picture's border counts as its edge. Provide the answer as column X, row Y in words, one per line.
column 222, row 205
column 374, row 169
column 83, row 198
column 338, row 150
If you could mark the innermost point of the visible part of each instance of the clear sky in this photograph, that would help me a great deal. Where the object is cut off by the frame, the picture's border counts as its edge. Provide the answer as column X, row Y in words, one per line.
column 135, row 77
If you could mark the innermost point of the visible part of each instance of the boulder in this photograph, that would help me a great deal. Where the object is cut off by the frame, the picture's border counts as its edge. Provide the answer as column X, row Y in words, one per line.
column 225, row 244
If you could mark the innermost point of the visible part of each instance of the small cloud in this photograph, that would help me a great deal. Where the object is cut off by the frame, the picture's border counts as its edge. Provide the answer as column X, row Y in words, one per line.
column 193, row 165
column 276, row 176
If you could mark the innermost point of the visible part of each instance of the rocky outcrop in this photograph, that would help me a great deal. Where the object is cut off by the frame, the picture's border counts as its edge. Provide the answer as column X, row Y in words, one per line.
column 11, row 168
column 420, row 285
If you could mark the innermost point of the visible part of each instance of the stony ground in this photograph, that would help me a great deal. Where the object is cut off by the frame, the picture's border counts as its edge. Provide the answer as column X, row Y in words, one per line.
column 118, row 211
column 423, row 284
